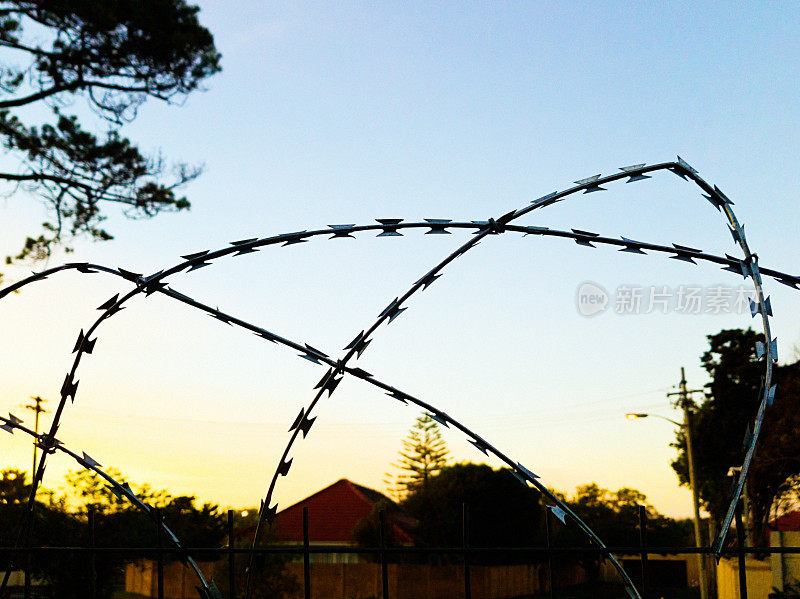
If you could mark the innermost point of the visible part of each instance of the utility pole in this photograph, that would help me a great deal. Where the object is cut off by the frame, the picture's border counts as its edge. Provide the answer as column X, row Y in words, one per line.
column 685, row 402
column 37, row 409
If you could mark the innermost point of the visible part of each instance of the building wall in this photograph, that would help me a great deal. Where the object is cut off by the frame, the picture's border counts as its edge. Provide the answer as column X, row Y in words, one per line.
column 785, row 568
column 759, row 579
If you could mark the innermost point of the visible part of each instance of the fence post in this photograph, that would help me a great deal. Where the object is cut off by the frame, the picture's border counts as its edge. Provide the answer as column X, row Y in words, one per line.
column 28, row 573
column 643, row 545
column 159, row 543
column 231, row 558
column 92, row 557
column 306, row 557
column 384, row 567
column 549, row 551
column 740, row 541
column 465, row 545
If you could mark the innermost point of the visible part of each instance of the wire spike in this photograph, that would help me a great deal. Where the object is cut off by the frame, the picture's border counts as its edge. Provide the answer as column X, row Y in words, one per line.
column 294, row 241
column 305, row 426
column 439, row 417
column 389, row 227
column 438, row 226
column 594, row 188
column 115, row 491
column 790, row 282
column 585, row 242
column 264, row 334
column 519, row 477
column 633, row 167
column 558, row 513
column 362, row 346
column 585, row 233
column 129, row 275
column 7, row 427
column 427, row 280
column 353, row 343
column 397, row 313
column 331, row 385
column 340, row 227
column 683, row 258
column 771, row 395
column 526, row 472
column 686, row 165
column 198, row 266
column 737, row 234
column 195, row 255
column 297, row 420
column 244, row 241
column 482, row 447
column 389, row 308
column 270, row 513
column 632, row 249
column 360, row 373
column 686, row 248
column 591, row 179
column 748, row 437
column 679, row 173
column 79, row 342
column 90, row 461
column 722, row 196
column 398, row 395
column 323, row 381
column 639, row 177
column 246, row 250
column 283, row 469
column 69, row 388
column 544, row 199
column 107, row 305
column 716, row 202
column 314, row 350
column 14, row 419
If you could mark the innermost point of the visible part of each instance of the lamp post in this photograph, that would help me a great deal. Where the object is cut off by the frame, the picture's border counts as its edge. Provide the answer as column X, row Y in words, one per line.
column 687, row 425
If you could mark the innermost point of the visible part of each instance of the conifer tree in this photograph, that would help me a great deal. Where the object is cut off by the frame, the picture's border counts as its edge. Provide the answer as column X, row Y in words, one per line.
column 424, row 454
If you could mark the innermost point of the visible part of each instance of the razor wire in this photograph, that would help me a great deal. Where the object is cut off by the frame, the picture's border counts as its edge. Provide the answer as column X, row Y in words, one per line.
column 390, row 227
column 120, row 490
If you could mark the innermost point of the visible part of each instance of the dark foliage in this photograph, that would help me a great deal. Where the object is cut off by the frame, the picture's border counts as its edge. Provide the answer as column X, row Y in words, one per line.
column 115, row 54
column 726, row 418
column 502, row 512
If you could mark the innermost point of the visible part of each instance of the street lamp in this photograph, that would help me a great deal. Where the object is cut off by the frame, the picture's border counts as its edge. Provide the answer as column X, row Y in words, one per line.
column 635, row 415
column 688, row 412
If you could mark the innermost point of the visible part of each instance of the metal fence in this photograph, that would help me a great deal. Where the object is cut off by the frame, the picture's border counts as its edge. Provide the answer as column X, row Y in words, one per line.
column 383, row 554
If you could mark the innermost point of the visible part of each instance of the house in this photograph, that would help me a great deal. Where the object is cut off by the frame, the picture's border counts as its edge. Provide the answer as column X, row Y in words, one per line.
column 778, row 571
column 333, row 513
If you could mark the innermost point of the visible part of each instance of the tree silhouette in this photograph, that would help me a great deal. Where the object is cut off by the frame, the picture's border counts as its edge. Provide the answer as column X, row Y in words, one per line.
column 115, row 54
column 724, row 420
column 424, row 454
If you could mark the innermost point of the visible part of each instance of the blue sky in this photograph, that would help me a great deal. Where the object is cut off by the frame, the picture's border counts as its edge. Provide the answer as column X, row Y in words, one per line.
column 330, row 114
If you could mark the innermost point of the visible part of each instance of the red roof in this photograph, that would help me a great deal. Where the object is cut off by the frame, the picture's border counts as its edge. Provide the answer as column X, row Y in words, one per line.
column 787, row 522
column 333, row 512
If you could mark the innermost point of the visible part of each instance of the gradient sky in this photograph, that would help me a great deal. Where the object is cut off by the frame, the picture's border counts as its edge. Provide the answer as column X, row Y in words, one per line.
column 330, row 114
